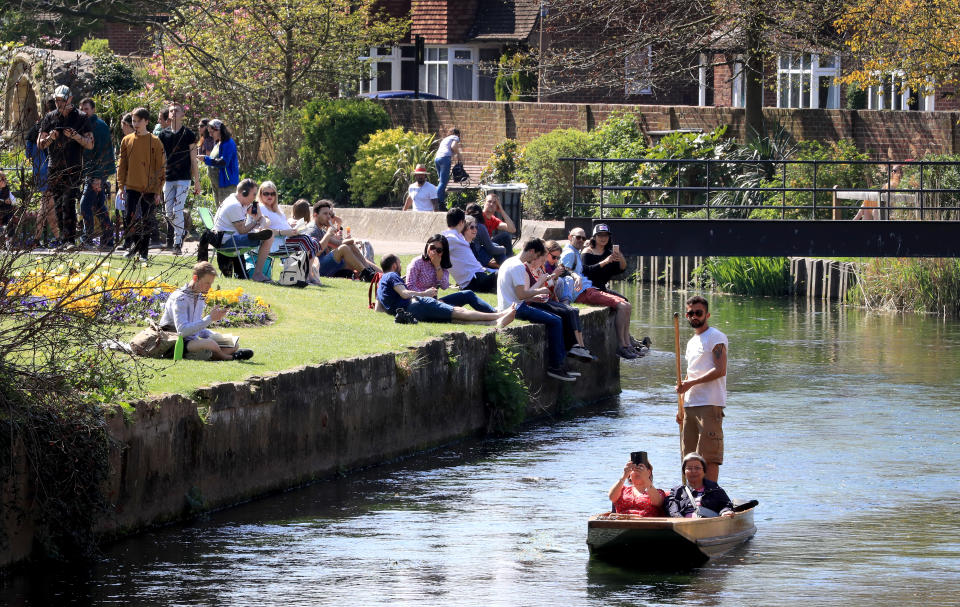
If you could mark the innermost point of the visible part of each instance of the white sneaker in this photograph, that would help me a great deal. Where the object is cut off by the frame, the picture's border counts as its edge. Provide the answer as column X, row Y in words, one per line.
column 561, row 375
column 581, row 353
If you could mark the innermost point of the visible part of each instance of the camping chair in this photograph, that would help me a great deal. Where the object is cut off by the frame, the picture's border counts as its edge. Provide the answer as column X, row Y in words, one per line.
column 230, row 251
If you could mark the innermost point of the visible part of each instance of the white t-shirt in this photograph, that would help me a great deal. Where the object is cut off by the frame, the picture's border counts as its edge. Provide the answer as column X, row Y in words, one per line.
column 699, row 362
column 511, row 274
column 446, row 146
column 422, row 195
column 465, row 264
column 276, row 222
column 230, row 210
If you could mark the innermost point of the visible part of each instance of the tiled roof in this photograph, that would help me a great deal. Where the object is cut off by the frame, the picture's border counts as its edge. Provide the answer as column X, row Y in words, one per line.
column 504, row 20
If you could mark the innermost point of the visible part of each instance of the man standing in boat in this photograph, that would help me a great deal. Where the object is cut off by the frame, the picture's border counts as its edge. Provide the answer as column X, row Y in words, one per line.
column 704, row 389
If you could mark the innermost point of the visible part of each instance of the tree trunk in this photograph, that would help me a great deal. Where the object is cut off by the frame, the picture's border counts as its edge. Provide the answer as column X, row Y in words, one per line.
column 753, row 76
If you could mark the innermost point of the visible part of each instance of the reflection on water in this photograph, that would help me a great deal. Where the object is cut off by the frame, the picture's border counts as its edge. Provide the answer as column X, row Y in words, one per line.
column 842, row 424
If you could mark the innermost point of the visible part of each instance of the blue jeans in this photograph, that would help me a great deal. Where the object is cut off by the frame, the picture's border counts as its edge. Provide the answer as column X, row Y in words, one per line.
column 554, row 326
column 467, row 298
column 443, row 171
column 95, row 204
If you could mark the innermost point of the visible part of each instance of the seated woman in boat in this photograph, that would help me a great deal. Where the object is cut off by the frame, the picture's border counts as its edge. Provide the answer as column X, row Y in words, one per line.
column 640, row 496
column 698, row 497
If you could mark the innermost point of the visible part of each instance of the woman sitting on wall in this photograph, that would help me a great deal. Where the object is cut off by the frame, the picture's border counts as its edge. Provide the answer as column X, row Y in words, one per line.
column 602, row 261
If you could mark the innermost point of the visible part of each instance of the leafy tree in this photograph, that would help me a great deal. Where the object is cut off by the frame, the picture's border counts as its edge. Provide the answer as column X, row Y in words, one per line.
column 252, row 62
column 915, row 40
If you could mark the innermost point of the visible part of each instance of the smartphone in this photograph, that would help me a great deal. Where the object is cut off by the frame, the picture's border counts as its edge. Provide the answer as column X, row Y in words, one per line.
column 616, row 248
column 253, row 207
column 639, row 457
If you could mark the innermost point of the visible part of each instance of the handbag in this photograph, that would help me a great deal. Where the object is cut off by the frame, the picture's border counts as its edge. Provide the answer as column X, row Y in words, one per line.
column 153, row 342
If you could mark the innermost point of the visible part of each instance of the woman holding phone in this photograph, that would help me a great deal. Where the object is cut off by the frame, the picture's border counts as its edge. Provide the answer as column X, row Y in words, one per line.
column 602, row 260
column 640, row 496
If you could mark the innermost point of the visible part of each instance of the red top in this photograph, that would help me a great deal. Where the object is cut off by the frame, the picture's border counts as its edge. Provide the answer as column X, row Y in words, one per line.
column 633, row 502
column 492, row 223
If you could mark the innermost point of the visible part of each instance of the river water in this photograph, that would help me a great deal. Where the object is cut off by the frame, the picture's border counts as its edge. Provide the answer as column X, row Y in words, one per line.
column 843, row 424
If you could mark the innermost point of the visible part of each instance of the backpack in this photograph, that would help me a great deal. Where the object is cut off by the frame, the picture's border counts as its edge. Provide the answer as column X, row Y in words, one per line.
column 372, row 290
column 458, row 174
column 295, row 270
column 153, row 342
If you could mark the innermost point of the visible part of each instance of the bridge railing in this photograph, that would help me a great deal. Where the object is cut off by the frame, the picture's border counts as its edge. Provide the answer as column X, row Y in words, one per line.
column 763, row 189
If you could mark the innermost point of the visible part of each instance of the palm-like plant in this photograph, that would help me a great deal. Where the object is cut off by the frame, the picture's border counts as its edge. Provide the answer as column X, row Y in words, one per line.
column 420, row 149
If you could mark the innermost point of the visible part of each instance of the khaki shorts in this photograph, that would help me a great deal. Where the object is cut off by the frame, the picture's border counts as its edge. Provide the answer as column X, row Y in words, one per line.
column 703, row 432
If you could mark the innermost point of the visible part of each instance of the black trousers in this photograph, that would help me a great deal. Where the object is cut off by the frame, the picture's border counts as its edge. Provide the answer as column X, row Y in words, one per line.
column 568, row 314
column 141, row 219
column 64, row 187
column 483, row 282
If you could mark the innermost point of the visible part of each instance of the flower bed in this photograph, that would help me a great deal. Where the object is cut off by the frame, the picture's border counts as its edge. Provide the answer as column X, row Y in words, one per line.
column 123, row 301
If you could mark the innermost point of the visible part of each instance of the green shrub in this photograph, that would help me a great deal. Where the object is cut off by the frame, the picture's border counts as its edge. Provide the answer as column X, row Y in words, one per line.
column 916, row 285
column 384, row 163
column 332, row 130
column 506, row 162
column 96, row 47
column 516, row 77
column 506, row 393
column 854, row 176
column 856, row 98
column 764, row 276
column 111, row 75
column 946, row 177
column 549, row 179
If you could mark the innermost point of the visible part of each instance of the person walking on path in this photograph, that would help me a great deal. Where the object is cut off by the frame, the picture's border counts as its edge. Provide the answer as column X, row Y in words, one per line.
column 180, row 145
column 449, row 147
column 140, row 181
column 704, row 389
column 224, row 157
column 98, row 164
column 65, row 133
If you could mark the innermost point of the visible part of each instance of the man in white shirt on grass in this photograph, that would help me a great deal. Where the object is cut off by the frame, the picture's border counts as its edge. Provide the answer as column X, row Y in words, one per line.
column 421, row 195
column 466, row 270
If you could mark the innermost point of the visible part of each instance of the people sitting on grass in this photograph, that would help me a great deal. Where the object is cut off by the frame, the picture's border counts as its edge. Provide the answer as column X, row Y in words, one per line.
column 585, row 293
column 498, row 223
column 284, row 235
column 238, row 225
column 183, row 313
column 513, row 289
column 487, row 252
column 421, row 195
column 394, row 297
column 335, row 253
column 465, row 268
column 432, row 269
column 572, row 329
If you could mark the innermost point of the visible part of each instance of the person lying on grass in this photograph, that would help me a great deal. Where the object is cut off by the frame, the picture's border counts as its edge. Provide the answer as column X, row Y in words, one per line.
column 393, row 296
column 183, row 313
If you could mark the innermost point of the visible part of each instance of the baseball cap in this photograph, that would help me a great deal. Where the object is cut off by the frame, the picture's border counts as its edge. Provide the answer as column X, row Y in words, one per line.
column 62, row 92
column 600, row 227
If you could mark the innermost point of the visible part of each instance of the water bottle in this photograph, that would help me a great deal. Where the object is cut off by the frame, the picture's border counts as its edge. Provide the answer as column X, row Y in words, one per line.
column 178, row 349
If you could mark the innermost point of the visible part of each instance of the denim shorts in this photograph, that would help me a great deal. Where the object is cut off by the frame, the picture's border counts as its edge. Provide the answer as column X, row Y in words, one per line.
column 330, row 266
column 430, row 309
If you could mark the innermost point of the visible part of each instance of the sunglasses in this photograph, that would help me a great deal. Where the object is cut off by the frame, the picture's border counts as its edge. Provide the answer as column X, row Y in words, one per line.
column 579, row 237
column 692, row 313
column 471, row 227
column 213, row 128
column 268, row 193
column 554, row 257
column 437, row 249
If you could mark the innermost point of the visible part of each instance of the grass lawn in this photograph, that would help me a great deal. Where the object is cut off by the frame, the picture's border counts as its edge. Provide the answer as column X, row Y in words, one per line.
column 312, row 325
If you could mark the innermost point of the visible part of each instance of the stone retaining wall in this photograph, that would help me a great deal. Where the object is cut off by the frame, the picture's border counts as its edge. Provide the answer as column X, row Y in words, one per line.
column 178, row 456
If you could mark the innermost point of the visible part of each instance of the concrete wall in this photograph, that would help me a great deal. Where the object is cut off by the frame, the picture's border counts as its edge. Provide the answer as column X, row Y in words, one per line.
column 270, row 433
column 484, row 124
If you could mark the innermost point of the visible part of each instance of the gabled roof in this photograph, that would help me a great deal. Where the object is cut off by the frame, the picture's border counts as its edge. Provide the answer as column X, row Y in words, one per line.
column 505, row 20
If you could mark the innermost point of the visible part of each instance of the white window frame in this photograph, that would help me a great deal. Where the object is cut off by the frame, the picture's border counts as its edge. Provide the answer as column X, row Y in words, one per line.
column 738, row 84
column 636, row 72
column 883, row 97
column 702, row 80
column 786, row 76
column 395, row 59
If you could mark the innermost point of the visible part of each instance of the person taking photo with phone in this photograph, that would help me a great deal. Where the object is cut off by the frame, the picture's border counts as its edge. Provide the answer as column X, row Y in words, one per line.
column 704, row 389
column 640, row 496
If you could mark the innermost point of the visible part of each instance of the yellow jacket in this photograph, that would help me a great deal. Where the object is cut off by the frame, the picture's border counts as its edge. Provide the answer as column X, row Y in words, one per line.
column 142, row 160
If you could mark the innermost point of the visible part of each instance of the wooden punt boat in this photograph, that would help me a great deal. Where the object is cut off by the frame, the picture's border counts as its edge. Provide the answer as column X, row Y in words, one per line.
column 666, row 543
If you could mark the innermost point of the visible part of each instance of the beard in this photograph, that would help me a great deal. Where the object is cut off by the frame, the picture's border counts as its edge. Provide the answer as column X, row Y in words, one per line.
column 696, row 322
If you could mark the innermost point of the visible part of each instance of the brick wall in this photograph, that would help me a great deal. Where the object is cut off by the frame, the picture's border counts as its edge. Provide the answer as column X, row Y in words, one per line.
column 128, row 39
column 484, row 124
